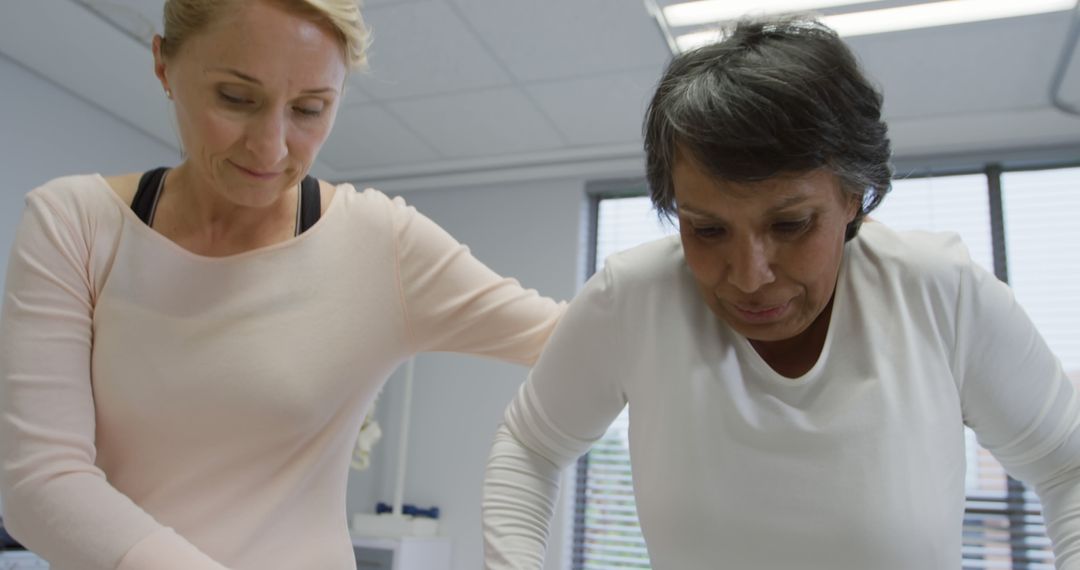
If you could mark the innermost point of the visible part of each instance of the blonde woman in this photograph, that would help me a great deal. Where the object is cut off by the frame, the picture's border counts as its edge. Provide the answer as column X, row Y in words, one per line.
column 186, row 353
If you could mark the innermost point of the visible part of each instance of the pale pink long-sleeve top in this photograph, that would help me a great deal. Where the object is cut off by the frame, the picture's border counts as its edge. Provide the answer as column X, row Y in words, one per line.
column 160, row 410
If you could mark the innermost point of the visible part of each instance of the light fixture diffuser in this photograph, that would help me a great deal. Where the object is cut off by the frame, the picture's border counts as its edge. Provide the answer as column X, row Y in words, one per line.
column 924, row 15
column 712, row 11
column 933, row 14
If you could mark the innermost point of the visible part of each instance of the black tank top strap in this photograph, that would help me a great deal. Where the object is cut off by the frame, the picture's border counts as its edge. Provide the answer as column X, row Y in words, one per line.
column 310, row 204
column 146, row 197
column 144, row 204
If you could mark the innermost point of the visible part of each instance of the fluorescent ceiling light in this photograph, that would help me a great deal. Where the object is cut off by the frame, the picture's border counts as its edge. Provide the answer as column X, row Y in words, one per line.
column 694, row 40
column 711, row 11
column 928, row 15
column 939, row 14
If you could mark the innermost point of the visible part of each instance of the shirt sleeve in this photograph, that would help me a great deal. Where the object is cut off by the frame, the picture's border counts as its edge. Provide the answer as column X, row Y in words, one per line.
column 57, row 502
column 455, row 303
column 1018, row 400
column 569, row 400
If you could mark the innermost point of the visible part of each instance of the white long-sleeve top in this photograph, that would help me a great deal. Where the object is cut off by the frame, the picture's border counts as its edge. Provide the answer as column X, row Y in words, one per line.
column 161, row 410
column 858, row 464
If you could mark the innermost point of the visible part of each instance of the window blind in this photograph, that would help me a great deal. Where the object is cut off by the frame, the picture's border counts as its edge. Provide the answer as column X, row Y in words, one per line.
column 1003, row 527
column 606, row 534
column 1042, row 231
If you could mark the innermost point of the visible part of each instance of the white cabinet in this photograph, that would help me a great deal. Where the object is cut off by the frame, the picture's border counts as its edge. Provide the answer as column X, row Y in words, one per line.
column 404, row 553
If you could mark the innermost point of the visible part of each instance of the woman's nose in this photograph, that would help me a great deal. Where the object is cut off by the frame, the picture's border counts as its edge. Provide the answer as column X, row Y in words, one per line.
column 749, row 267
column 266, row 140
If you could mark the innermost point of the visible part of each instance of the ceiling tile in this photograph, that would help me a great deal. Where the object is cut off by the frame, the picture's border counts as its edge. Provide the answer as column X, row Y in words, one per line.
column 565, row 38
column 966, row 68
column 367, row 136
column 1010, row 130
column 598, row 110
column 423, row 48
column 141, row 18
column 480, row 123
column 73, row 47
column 462, row 81
column 354, row 88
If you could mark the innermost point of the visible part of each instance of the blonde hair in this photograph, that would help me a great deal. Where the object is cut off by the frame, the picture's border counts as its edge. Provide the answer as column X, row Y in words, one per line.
column 185, row 18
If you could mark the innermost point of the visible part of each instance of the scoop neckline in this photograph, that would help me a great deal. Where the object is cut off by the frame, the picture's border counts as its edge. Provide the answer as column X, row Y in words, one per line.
column 839, row 306
column 141, row 226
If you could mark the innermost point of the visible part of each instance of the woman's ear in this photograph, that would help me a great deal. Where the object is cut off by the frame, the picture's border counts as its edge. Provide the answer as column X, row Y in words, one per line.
column 159, row 65
column 854, row 205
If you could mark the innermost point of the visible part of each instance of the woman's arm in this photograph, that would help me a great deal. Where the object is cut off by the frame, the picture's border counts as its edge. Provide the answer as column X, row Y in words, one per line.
column 455, row 303
column 1020, row 403
column 57, row 502
column 571, row 397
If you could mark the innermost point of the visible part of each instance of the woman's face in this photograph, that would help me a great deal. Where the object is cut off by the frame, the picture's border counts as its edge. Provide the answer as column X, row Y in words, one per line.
column 256, row 95
column 765, row 254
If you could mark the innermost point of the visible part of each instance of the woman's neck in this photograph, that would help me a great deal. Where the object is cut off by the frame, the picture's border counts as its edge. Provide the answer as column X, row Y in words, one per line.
column 795, row 356
column 196, row 216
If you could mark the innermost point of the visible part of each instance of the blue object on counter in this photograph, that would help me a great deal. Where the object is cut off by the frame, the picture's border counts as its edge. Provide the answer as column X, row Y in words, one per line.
column 408, row 510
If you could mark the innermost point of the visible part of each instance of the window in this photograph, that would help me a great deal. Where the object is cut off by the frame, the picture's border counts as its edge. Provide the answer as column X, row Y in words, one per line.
column 1013, row 222
column 1042, row 231
column 954, row 203
column 606, row 533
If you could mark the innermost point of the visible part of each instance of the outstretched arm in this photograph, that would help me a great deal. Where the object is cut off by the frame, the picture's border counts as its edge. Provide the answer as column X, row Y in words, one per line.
column 455, row 303
column 569, row 400
column 1021, row 405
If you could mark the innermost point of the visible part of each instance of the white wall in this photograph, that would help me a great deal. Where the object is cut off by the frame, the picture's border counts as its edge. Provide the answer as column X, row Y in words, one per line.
column 532, row 231
column 46, row 132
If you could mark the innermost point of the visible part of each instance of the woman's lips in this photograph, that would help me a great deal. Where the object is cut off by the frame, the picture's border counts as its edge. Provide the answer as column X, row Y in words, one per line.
column 761, row 314
column 255, row 173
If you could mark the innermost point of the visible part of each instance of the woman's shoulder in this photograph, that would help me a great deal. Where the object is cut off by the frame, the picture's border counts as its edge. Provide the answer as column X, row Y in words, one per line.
column 921, row 260
column 79, row 193
column 360, row 200
column 649, row 261
column 372, row 209
column 124, row 186
column 365, row 208
column 649, row 269
column 912, row 248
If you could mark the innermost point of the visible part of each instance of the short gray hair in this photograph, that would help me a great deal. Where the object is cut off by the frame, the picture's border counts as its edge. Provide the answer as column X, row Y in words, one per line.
column 775, row 96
